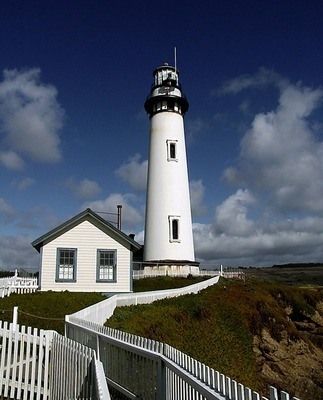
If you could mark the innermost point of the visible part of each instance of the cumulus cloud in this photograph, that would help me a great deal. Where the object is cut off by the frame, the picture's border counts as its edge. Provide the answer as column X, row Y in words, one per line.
column 131, row 212
column 281, row 155
column 194, row 127
column 23, row 184
column 6, row 210
column 197, row 190
column 30, row 119
column 11, row 160
column 140, row 237
column 134, row 172
column 17, row 252
column 85, row 189
column 264, row 77
column 277, row 217
column 265, row 244
column 231, row 215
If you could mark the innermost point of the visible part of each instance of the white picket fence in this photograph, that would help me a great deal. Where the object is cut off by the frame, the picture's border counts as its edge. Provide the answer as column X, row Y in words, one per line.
column 16, row 284
column 165, row 372
column 103, row 310
column 43, row 365
column 141, row 273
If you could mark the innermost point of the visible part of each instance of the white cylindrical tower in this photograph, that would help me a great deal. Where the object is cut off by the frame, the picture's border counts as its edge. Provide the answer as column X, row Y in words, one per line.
column 168, row 227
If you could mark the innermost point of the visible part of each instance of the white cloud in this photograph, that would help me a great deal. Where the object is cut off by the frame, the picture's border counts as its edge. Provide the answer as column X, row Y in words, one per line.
column 131, row 212
column 197, row 190
column 85, row 189
column 262, row 78
column 16, row 252
column 23, row 184
column 194, row 127
column 140, row 237
column 30, row 118
column 6, row 210
column 11, row 160
column 231, row 215
column 134, row 172
column 265, row 244
column 281, row 168
column 280, row 154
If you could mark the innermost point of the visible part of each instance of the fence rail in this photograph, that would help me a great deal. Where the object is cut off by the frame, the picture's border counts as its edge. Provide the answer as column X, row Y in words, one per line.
column 44, row 365
column 140, row 271
column 165, row 372
column 103, row 310
column 139, row 274
column 16, row 284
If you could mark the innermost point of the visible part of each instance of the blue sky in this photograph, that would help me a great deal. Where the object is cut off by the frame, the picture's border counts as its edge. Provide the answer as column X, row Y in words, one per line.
column 73, row 131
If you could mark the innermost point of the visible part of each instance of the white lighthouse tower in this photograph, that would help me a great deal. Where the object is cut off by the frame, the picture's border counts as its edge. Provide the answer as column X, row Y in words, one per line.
column 168, row 228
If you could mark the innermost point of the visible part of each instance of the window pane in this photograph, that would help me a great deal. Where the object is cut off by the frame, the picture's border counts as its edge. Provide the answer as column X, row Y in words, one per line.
column 175, row 229
column 172, row 150
column 66, row 264
column 106, row 265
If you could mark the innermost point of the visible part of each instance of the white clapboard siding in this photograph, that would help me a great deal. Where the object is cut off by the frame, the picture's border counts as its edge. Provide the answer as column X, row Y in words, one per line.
column 87, row 238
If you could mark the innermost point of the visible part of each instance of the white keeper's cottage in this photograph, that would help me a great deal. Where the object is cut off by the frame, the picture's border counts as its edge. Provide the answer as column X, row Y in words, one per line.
column 86, row 254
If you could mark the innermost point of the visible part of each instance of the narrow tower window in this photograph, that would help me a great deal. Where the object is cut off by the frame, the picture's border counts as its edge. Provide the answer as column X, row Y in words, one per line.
column 172, row 150
column 174, row 229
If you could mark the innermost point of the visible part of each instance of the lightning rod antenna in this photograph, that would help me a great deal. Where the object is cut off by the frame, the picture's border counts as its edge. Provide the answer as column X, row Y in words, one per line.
column 175, row 59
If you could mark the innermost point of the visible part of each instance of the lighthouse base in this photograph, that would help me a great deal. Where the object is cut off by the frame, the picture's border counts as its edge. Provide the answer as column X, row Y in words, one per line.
column 172, row 268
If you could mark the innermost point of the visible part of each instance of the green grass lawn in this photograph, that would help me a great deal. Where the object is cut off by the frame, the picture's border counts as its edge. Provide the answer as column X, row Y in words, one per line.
column 164, row 282
column 50, row 308
column 50, row 305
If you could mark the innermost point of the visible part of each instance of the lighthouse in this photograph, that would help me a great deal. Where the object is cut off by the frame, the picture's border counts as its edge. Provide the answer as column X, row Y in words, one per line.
column 168, row 225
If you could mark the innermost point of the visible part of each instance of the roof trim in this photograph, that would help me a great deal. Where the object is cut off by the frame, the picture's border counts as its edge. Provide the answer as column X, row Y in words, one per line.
column 38, row 243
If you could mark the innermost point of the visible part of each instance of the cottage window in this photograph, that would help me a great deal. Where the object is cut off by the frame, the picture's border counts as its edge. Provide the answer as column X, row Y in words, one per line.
column 174, row 229
column 106, row 265
column 66, row 265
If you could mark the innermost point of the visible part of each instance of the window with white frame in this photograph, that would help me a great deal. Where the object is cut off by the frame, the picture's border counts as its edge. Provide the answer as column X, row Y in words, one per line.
column 106, row 265
column 174, row 231
column 66, row 265
column 172, row 150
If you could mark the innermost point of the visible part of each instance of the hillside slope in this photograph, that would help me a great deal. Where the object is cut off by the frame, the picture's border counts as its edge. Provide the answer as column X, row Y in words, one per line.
column 259, row 333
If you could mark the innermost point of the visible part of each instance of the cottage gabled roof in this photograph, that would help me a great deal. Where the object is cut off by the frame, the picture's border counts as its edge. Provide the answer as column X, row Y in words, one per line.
column 65, row 226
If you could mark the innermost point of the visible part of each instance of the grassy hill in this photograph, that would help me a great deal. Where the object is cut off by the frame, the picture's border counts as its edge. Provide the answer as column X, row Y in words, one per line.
column 258, row 332
column 261, row 332
column 47, row 310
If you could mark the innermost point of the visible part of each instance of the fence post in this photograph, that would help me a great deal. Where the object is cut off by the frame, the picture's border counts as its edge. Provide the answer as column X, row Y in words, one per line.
column 161, row 380
column 15, row 318
column 98, row 347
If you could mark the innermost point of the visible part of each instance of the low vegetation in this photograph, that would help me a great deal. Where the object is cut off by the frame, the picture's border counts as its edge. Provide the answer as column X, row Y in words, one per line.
column 46, row 310
column 246, row 330
column 259, row 332
column 164, row 282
